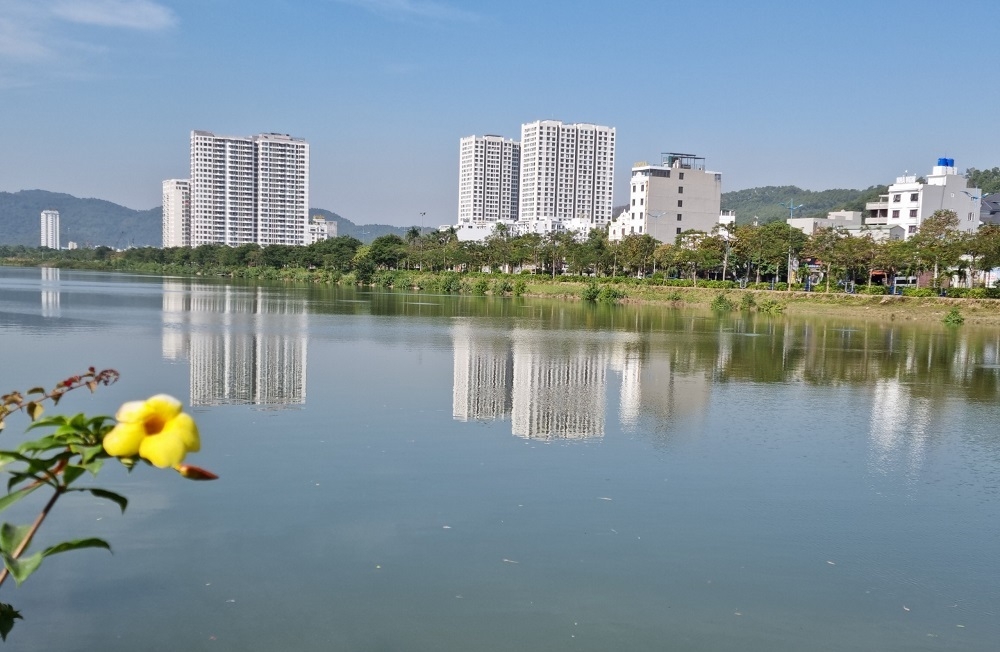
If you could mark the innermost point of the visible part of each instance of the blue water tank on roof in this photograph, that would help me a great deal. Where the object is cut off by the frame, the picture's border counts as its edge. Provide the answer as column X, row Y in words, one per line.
column 942, row 162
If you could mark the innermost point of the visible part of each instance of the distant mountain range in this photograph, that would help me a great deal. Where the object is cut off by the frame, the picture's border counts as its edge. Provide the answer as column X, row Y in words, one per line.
column 95, row 222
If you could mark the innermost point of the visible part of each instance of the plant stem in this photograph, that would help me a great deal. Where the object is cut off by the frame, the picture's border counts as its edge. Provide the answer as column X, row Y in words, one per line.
column 34, row 528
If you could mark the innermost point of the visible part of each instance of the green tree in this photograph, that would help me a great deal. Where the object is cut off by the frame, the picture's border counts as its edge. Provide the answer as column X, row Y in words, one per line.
column 937, row 243
column 822, row 246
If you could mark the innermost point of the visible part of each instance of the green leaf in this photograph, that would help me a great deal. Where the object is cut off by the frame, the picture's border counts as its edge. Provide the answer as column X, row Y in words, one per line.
column 36, row 390
column 121, row 500
column 11, row 536
column 56, row 420
column 14, row 496
column 23, row 567
column 7, row 617
column 71, row 473
column 78, row 544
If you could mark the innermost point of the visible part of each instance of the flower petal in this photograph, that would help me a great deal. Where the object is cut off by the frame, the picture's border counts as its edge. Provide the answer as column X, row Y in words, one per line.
column 163, row 451
column 163, row 405
column 124, row 439
column 183, row 427
column 131, row 411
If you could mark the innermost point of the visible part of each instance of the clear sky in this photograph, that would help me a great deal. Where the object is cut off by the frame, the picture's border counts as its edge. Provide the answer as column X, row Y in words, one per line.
column 97, row 97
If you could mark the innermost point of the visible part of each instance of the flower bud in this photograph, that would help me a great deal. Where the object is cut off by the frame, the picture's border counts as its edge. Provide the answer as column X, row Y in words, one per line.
column 192, row 472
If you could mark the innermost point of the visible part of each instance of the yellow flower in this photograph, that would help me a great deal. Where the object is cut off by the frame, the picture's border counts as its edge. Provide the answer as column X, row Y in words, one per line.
column 155, row 429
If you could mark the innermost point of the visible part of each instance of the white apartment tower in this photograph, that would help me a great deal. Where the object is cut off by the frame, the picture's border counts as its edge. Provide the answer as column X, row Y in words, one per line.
column 668, row 199
column 50, row 229
column 249, row 190
column 488, row 180
column 176, row 213
column 567, row 175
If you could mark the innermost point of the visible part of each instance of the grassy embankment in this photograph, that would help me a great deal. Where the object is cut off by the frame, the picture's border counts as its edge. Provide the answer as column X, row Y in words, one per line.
column 623, row 290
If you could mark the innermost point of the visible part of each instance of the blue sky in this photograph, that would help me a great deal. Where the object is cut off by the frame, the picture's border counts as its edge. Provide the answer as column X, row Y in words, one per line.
column 97, row 97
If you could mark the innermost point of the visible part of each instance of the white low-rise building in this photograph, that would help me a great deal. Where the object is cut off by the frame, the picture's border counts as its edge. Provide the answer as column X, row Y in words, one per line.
column 320, row 228
column 668, row 199
column 910, row 201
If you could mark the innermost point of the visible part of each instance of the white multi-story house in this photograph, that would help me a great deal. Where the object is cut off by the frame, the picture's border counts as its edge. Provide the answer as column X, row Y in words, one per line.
column 176, row 213
column 910, row 201
column 488, row 180
column 249, row 189
column 668, row 199
column 319, row 228
column 50, row 229
column 567, row 173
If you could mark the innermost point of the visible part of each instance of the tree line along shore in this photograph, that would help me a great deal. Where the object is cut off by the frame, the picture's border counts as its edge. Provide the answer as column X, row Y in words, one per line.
column 836, row 271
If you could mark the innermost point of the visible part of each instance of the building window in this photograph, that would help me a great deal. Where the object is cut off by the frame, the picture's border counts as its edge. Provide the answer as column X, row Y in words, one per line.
column 896, row 198
column 895, row 214
column 633, row 187
column 678, row 217
column 641, row 200
column 680, row 203
column 912, row 229
column 680, row 190
column 913, row 212
column 678, row 229
column 633, row 202
column 680, row 176
column 914, row 196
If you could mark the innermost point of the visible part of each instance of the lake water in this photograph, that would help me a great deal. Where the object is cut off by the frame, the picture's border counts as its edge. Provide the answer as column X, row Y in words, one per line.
column 405, row 471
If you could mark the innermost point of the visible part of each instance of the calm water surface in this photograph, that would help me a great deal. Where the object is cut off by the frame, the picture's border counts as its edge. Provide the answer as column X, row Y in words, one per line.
column 419, row 472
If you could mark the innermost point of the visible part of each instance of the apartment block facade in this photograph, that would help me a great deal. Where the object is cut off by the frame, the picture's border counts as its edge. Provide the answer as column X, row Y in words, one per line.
column 176, row 213
column 668, row 199
column 567, row 173
column 50, row 229
column 249, row 189
column 488, row 180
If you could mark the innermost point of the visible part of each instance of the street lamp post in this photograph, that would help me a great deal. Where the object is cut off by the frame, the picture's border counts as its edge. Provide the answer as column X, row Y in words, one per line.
column 791, row 215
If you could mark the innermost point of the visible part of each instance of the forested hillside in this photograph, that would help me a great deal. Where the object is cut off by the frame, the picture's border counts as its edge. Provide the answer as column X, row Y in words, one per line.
column 88, row 222
column 771, row 203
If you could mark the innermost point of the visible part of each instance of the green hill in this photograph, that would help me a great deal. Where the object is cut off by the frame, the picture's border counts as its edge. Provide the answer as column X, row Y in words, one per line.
column 88, row 222
column 770, row 203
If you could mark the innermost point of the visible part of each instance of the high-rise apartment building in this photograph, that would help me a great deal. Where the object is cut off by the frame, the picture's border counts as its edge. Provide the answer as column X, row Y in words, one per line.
column 249, row 190
column 176, row 213
column 488, row 179
column 567, row 175
column 50, row 229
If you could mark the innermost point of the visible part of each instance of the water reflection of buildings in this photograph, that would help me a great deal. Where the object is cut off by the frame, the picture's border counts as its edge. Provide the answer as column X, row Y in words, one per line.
column 50, row 292
column 554, row 384
column 245, row 345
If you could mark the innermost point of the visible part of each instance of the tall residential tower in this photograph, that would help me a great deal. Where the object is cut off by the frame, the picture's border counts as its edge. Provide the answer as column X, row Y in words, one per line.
column 50, row 229
column 176, row 213
column 567, row 175
column 249, row 190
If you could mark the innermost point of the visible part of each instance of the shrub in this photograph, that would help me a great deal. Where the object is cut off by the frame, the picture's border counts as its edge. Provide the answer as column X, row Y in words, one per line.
column 873, row 289
column 520, row 287
column 769, row 306
column 590, row 292
column 747, row 301
column 721, row 303
column 954, row 318
column 501, row 286
column 609, row 294
column 674, row 295
column 919, row 292
column 480, row 286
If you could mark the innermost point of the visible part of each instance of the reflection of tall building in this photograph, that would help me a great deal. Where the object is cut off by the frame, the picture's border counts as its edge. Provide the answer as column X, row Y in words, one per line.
column 244, row 345
column 50, row 292
column 559, row 386
column 652, row 385
column 484, row 375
